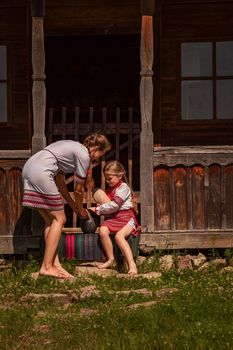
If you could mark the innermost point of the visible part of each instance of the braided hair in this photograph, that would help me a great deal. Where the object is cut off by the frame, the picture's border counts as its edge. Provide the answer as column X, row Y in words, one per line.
column 97, row 139
column 114, row 167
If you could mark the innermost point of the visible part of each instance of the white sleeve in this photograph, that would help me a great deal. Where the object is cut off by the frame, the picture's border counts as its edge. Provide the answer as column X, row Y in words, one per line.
column 82, row 165
column 121, row 195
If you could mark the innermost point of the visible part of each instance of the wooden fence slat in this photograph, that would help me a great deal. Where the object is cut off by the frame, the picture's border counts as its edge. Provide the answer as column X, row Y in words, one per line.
column 172, row 199
column 130, row 146
column 118, row 133
column 91, row 119
column 229, row 197
column 214, row 196
column 63, row 123
column 76, row 123
column 206, row 189
column 198, row 199
column 189, row 200
column 180, row 194
column 50, row 126
column 223, row 196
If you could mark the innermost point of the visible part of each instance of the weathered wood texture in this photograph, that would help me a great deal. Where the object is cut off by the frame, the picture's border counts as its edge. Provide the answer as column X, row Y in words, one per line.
column 146, row 137
column 187, row 21
column 15, row 33
column 38, row 87
column 193, row 188
column 123, row 129
column 14, row 219
column 90, row 17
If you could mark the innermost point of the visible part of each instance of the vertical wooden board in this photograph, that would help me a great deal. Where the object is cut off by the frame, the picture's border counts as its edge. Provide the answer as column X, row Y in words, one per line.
column 198, row 197
column 180, row 195
column 214, row 196
column 3, row 202
column 15, row 197
column 229, row 196
column 162, row 200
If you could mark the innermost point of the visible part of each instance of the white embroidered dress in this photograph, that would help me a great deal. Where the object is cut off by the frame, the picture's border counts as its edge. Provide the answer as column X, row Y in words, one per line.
column 40, row 190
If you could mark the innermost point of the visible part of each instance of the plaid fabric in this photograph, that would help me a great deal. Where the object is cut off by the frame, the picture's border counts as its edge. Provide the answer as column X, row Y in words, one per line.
column 87, row 247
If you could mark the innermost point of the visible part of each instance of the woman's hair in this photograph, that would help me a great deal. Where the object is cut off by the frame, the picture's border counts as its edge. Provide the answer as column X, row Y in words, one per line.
column 97, row 139
column 114, row 167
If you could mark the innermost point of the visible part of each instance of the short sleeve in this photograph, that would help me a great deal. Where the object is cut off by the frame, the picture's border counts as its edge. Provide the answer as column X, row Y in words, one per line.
column 82, row 165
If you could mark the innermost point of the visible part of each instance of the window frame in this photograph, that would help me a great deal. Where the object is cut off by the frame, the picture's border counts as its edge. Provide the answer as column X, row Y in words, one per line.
column 8, row 82
column 214, row 78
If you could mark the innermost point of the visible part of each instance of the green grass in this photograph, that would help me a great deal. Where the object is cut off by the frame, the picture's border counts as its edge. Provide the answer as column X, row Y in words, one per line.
column 198, row 316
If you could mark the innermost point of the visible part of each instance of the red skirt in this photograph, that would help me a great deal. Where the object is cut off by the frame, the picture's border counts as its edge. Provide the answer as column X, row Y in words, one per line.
column 117, row 221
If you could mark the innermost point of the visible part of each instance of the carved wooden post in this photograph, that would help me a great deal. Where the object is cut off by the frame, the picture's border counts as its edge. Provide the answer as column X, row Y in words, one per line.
column 38, row 77
column 146, row 103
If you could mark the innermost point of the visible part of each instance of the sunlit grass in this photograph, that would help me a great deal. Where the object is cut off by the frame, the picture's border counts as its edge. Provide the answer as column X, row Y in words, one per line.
column 198, row 316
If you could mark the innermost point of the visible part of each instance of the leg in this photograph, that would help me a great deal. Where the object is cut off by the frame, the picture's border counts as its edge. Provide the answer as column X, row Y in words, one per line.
column 100, row 196
column 54, row 222
column 124, row 246
column 107, row 246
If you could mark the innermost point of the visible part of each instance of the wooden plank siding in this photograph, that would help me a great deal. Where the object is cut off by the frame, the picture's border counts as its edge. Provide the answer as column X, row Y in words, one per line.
column 15, row 233
column 15, row 34
column 178, row 22
column 193, row 196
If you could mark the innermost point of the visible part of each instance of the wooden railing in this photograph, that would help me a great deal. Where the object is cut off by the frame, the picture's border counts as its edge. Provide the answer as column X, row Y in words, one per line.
column 193, row 188
column 122, row 126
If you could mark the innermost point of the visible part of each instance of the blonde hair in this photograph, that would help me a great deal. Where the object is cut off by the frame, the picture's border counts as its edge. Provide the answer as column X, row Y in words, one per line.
column 97, row 139
column 114, row 167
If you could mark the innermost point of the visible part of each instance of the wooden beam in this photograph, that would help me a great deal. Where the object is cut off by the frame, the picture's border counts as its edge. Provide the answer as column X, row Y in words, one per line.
column 37, row 8
column 146, row 137
column 38, row 77
column 188, row 239
column 18, row 244
column 147, row 7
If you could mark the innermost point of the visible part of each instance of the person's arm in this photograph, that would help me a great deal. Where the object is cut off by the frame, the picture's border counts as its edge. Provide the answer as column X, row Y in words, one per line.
column 78, row 195
column 60, row 182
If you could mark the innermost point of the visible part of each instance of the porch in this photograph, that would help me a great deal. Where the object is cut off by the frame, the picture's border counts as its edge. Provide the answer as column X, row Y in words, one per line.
column 193, row 202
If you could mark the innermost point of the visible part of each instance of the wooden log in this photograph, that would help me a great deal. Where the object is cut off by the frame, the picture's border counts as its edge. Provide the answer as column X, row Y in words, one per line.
column 38, row 86
column 146, row 137
column 188, row 239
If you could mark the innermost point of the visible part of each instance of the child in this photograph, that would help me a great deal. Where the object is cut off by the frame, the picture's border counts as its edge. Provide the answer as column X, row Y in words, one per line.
column 44, row 179
column 118, row 205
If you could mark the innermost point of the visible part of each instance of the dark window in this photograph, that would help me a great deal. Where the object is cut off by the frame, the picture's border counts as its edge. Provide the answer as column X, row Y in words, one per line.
column 207, row 80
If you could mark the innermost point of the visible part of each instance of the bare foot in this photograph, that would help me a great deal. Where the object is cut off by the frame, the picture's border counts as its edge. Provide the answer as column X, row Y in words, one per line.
column 133, row 270
column 63, row 271
column 108, row 264
column 53, row 272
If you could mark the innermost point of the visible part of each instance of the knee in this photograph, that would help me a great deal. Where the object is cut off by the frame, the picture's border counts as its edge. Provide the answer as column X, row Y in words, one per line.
column 118, row 238
column 103, row 232
column 61, row 219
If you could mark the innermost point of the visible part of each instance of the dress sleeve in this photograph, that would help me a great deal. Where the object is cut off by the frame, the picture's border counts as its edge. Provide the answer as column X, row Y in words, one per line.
column 121, row 195
column 82, row 165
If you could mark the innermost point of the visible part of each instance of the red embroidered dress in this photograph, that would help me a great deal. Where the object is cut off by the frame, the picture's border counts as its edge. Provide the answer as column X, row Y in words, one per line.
column 119, row 209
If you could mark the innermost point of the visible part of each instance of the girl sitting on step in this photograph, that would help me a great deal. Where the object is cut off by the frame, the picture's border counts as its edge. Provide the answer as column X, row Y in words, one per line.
column 118, row 206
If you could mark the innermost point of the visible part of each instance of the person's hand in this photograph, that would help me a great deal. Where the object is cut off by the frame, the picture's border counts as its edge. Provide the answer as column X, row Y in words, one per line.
column 83, row 214
column 93, row 209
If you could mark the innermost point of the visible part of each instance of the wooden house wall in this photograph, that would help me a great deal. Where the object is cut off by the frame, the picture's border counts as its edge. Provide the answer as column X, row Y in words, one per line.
column 187, row 21
column 15, row 33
